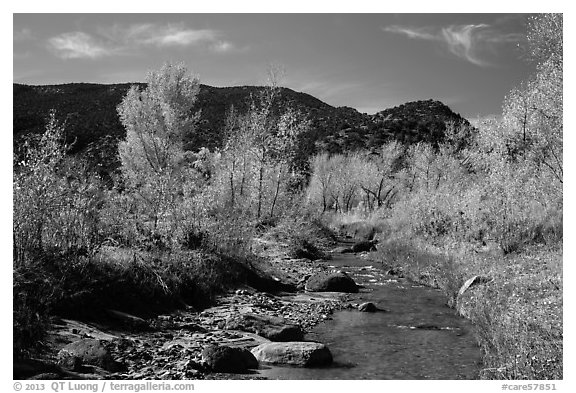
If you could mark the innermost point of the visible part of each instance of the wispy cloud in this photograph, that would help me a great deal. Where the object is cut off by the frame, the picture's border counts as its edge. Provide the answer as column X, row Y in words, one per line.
column 126, row 39
column 77, row 45
column 223, row 47
column 422, row 33
column 163, row 35
column 464, row 41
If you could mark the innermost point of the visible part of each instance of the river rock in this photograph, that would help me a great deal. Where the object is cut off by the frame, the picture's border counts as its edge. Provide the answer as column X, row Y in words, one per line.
column 302, row 354
column 224, row 359
column 369, row 245
column 86, row 351
column 272, row 328
column 331, row 282
column 367, row 307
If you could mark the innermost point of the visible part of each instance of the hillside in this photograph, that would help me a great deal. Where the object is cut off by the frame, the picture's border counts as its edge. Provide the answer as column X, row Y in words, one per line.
column 92, row 123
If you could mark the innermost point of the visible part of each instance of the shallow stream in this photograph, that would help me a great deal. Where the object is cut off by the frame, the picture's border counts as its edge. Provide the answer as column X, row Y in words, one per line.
column 417, row 337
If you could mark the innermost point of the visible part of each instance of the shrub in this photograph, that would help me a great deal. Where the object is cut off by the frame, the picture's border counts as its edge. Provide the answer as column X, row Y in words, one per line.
column 55, row 201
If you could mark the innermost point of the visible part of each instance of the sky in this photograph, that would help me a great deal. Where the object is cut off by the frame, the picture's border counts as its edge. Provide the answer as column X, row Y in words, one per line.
column 366, row 61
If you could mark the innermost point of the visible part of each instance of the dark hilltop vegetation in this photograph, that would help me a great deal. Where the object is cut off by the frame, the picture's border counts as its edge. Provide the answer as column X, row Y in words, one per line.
column 93, row 127
column 202, row 220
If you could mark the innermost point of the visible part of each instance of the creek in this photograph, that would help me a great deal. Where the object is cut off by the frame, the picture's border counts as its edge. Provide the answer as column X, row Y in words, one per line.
column 416, row 337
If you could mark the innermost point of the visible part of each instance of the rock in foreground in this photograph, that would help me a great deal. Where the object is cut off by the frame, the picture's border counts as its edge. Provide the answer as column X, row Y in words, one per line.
column 367, row 307
column 223, row 359
column 86, row 352
column 302, row 354
column 331, row 282
column 272, row 328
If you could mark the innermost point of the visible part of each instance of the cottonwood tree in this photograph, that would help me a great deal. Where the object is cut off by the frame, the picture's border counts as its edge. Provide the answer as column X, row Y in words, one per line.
column 259, row 150
column 291, row 126
column 233, row 149
column 377, row 180
column 260, row 130
column 157, row 120
column 536, row 107
column 322, row 181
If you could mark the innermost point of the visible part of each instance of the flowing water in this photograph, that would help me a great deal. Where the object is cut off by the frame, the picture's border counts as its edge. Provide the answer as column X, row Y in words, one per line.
column 417, row 337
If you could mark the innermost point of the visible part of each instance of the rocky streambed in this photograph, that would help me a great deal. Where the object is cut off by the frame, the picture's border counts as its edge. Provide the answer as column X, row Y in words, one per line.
column 331, row 328
column 180, row 345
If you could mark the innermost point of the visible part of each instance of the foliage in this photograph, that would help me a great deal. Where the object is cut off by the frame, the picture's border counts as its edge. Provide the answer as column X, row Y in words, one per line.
column 55, row 199
column 257, row 169
column 359, row 181
column 535, row 108
column 93, row 125
column 484, row 201
column 156, row 171
column 56, row 212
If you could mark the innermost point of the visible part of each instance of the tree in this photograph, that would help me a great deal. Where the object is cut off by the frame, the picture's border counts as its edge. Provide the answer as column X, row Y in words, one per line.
column 291, row 125
column 157, row 120
column 378, row 182
column 260, row 150
column 545, row 40
column 322, row 181
column 536, row 107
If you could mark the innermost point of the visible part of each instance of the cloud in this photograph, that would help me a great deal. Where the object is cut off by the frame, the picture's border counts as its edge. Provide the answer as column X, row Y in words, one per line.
column 467, row 42
column 167, row 35
column 78, row 45
column 223, row 47
column 462, row 41
column 123, row 40
column 411, row 32
column 170, row 35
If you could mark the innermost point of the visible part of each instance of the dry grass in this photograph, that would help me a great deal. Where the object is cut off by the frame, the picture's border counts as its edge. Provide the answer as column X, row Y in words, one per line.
column 301, row 237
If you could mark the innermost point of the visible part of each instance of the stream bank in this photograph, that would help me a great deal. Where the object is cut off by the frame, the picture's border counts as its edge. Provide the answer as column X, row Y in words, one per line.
column 413, row 336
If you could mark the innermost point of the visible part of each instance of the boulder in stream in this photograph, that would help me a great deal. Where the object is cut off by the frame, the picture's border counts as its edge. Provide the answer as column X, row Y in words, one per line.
column 302, row 354
column 331, row 282
column 224, row 359
column 272, row 328
column 368, row 307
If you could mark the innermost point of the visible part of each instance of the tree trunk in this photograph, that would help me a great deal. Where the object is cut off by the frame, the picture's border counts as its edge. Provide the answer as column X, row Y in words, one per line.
column 232, row 183
column 243, row 175
column 276, row 192
column 260, row 181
